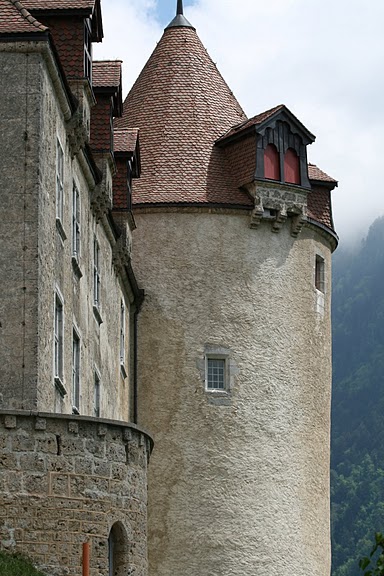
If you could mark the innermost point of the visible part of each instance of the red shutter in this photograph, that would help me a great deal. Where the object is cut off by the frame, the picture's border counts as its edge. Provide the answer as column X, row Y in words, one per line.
column 291, row 167
column 271, row 163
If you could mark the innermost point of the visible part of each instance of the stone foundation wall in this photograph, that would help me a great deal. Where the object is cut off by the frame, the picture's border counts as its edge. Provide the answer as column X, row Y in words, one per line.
column 66, row 480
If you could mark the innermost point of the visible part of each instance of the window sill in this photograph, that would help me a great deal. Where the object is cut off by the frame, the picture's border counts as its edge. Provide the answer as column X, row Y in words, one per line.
column 76, row 267
column 97, row 315
column 60, row 386
column 60, row 229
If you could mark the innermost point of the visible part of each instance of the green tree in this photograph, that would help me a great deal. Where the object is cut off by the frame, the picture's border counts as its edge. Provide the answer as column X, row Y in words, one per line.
column 373, row 565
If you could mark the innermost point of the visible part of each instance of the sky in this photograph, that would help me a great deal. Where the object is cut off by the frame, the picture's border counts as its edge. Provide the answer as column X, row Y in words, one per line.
column 323, row 59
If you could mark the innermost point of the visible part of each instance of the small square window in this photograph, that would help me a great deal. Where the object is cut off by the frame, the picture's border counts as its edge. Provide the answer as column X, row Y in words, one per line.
column 216, row 374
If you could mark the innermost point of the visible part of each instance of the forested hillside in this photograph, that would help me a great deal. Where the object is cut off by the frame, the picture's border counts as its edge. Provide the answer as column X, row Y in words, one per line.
column 357, row 455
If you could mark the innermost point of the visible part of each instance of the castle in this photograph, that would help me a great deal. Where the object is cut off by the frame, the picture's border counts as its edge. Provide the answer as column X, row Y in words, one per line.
column 164, row 312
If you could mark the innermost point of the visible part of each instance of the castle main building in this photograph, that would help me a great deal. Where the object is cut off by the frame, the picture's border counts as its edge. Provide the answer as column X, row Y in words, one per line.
column 166, row 275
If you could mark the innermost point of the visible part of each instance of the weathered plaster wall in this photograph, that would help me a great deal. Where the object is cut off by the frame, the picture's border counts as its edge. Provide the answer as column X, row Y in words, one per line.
column 36, row 255
column 239, row 482
column 65, row 481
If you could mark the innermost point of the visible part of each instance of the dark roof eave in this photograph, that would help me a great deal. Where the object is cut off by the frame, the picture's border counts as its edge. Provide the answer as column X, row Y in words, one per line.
column 225, row 205
column 331, row 184
column 223, row 141
column 325, row 228
column 38, row 36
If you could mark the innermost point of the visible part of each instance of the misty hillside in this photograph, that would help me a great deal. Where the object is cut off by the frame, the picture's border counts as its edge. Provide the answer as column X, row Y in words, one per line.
column 357, row 454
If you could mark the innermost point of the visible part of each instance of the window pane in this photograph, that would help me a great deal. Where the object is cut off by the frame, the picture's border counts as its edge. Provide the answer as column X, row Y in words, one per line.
column 216, row 374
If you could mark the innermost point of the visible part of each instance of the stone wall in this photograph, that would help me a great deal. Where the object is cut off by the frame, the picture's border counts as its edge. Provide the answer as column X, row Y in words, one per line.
column 68, row 480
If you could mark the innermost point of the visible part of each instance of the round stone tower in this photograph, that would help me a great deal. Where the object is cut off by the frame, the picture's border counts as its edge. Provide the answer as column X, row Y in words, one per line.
column 233, row 247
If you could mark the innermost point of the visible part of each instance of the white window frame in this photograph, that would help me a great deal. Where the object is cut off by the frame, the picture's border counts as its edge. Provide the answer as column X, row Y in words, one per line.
column 208, row 382
column 96, row 393
column 75, row 222
column 58, row 359
column 123, row 339
column 96, row 273
column 76, row 355
column 59, row 181
column 88, row 50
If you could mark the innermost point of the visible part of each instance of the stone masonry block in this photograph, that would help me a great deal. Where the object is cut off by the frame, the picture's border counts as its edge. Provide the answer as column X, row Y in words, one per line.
column 10, row 422
column 40, row 424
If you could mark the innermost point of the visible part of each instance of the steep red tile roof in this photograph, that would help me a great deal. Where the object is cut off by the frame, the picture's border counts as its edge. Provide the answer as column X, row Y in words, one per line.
column 319, row 206
column 60, row 4
column 106, row 73
column 315, row 173
column 181, row 104
column 15, row 19
column 125, row 139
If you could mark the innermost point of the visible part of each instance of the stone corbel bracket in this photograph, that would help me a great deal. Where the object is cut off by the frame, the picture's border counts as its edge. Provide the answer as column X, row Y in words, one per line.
column 121, row 252
column 277, row 205
column 101, row 197
column 77, row 132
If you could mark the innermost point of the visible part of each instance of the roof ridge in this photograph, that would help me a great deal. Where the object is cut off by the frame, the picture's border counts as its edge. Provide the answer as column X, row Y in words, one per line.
column 28, row 16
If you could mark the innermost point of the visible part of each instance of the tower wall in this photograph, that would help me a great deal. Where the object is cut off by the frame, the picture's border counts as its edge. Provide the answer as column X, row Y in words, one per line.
column 239, row 480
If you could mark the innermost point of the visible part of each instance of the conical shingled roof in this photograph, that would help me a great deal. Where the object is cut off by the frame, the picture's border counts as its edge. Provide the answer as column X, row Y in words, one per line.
column 182, row 105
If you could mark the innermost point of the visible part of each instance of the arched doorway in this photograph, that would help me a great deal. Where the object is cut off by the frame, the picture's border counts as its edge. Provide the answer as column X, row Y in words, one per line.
column 118, row 550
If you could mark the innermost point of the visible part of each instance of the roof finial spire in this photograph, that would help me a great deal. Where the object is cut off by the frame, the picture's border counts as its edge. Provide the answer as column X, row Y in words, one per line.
column 179, row 20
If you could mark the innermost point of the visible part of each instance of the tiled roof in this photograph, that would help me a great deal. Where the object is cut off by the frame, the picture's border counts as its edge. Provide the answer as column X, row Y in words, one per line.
column 59, row 4
column 315, row 173
column 125, row 139
column 319, row 206
column 15, row 19
column 106, row 73
column 258, row 119
column 181, row 104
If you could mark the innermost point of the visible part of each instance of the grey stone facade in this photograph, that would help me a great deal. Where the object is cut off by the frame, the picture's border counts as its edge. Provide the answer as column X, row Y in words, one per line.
column 66, row 477
column 68, row 480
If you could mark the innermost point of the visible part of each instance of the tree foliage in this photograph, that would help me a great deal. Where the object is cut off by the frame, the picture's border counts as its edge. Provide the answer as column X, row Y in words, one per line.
column 16, row 565
column 357, row 465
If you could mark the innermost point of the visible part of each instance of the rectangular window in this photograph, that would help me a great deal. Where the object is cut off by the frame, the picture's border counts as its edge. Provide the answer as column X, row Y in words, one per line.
column 122, row 339
column 87, row 50
column 59, row 181
column 320, row 273
column 216, row 374
column 96, row 273
column 96, row 402
column 75, row 222
column 122, row 333
column 59, row 339
column 76, row 373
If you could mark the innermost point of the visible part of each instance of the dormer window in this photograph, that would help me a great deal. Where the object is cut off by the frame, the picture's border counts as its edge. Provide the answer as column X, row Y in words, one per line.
column 87, row 50
column 271, row 163
column 291, row 167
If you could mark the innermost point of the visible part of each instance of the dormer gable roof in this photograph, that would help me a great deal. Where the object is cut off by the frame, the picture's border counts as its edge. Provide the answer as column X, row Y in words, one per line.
column 15, row 19
column 264, row 120
column 106, row 79
column 85, row 8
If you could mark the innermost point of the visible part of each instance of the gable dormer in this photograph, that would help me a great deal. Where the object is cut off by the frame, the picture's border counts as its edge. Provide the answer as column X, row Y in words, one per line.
column 280, row 143
column 267, row 156
column 107, row 88
column 74, row 25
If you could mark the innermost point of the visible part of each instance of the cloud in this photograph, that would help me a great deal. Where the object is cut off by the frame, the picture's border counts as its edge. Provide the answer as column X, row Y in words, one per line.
column 322, row 58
